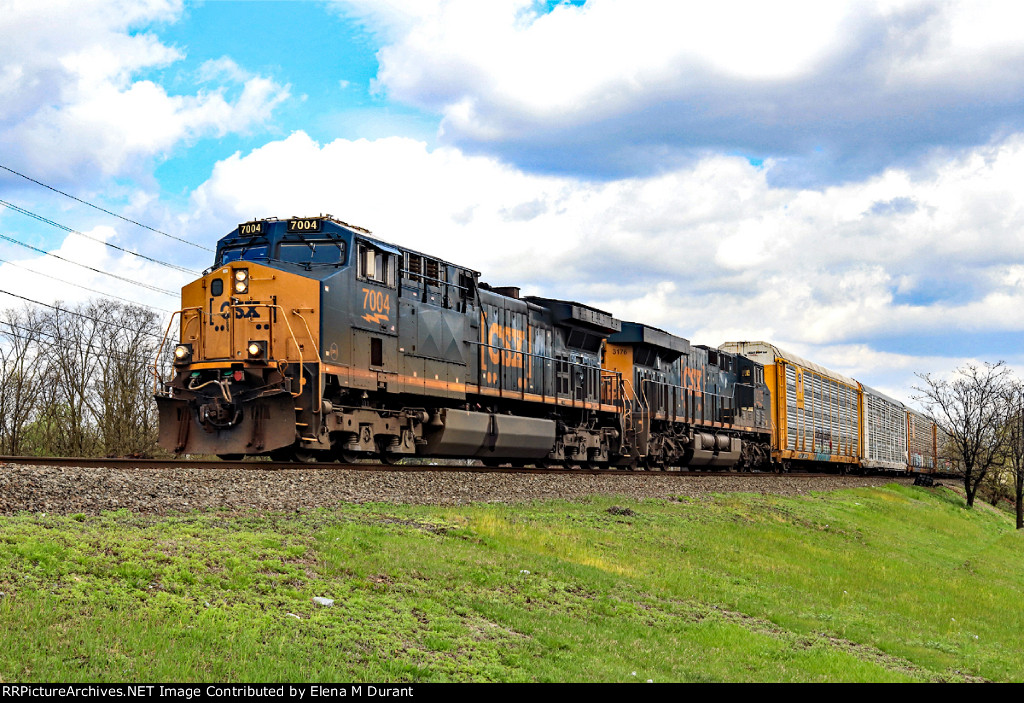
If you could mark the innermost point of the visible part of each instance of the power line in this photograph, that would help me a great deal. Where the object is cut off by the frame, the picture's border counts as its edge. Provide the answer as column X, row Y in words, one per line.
column 91, row 290
column 40, row 218
column 97, row 207
column 79, row 314
column 105, row 273
column 117, row 354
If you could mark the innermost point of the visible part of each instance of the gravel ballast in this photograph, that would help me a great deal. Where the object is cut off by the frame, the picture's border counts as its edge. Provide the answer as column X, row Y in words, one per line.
column 66, row 490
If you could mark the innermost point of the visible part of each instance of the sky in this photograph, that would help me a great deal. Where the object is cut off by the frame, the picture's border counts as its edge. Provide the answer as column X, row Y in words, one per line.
column 842, row 178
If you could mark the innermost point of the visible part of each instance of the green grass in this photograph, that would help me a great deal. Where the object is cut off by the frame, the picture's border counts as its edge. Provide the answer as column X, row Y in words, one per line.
column 891, row 584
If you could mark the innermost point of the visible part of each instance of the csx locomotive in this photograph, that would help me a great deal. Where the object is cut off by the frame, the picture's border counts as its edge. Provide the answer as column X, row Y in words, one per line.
column 312, row 340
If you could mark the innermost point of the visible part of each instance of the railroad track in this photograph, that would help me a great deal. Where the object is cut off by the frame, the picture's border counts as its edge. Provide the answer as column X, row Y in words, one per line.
column 251, row 465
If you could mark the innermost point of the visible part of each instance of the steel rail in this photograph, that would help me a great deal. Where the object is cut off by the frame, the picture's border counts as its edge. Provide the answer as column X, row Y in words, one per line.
column 257, row 465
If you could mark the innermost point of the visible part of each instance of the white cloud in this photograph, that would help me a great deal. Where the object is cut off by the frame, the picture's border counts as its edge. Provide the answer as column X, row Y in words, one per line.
column 69, row 96
column 73, row 273
column 619, row 87
column 710, row 252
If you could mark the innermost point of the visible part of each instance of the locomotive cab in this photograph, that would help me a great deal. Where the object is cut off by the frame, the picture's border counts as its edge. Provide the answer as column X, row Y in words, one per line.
column 245, row 367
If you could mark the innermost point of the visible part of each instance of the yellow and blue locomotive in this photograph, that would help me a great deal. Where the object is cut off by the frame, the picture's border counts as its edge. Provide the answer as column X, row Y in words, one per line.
column 310, row 339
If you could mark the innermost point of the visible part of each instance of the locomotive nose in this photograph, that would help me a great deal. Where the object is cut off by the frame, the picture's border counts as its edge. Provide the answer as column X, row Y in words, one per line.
column 248, row 342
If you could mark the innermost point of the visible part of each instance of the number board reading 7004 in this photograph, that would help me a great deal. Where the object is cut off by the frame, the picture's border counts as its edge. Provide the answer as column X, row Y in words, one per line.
column 252, row 228
column 311, row 225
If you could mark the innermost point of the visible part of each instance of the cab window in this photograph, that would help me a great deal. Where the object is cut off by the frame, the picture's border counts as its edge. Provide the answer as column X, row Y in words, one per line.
column 313, row 252
column 243, row 254
column 376, row 265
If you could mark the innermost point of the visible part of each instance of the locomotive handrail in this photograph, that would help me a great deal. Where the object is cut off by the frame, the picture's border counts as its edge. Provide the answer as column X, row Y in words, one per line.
column 688, row 394
column 291, row 332
column 158, row 379
column 523, row 368
column 629, row 412
column 319, row 379
column 613, row 378
column 641, row 398
column 435, row 281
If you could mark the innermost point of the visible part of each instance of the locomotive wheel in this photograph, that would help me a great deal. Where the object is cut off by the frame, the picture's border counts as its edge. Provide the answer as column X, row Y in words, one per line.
column 347, row 457
column 231, row 457
column 305, row 456
column 390, row 459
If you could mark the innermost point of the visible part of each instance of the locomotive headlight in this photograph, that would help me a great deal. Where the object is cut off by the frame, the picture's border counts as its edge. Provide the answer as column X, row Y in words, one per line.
column 182, row 353
column 241, row 280
column 257, row 350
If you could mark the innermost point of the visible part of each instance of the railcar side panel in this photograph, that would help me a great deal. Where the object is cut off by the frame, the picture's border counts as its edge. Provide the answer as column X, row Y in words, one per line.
column 816, row 412
column 822, row 416
column 922, row 443
column 885, row 432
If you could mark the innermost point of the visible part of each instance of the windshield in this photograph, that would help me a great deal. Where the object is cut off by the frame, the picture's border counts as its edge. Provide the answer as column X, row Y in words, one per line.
column 243, row 253
column 324, row 251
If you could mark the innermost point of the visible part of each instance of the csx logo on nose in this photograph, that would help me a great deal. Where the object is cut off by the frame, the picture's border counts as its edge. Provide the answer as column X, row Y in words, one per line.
column 241, row 312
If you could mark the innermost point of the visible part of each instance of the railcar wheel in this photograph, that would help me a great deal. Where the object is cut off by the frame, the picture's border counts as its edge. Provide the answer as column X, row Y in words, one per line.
column 304, row 456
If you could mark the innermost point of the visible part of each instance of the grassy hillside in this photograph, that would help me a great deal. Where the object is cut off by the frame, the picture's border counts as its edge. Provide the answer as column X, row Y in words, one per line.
column 888, row 584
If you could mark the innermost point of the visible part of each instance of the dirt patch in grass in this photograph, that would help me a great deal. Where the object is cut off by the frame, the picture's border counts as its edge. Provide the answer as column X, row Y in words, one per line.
column 862, row 652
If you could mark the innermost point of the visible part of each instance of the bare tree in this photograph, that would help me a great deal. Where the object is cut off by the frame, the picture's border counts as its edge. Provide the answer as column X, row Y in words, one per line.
column 1014, row 435
column 126, row 411
column 970, row 409
column 20, row 372
column 77, row 380
column 77, row 356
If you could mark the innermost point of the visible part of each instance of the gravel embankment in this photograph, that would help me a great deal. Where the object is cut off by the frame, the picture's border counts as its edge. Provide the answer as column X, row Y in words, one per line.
column 65, row 490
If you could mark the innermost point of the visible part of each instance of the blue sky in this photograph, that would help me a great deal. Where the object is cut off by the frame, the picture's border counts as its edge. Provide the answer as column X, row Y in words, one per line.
column 327, row 62
column 839, row 178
